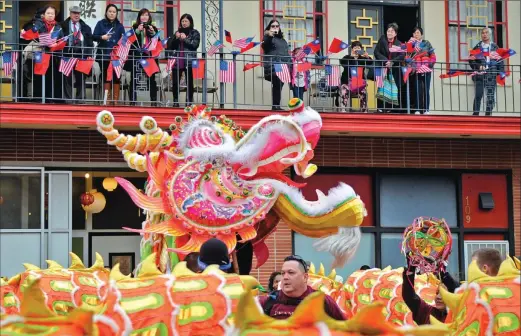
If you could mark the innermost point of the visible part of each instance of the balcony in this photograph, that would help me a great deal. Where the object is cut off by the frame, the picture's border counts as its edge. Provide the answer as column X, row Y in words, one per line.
column 29, row 102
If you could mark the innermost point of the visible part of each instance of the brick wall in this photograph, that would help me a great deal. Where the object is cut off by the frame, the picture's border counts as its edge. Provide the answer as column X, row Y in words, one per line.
column 332, row 151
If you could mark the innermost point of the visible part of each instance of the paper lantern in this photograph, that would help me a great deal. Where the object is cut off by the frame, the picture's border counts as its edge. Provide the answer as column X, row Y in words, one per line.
column 86, row 199
column 110, row 183
column 99, row 202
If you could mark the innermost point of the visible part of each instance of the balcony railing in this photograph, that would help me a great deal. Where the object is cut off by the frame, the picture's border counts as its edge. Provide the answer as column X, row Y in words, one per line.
column 249, row 87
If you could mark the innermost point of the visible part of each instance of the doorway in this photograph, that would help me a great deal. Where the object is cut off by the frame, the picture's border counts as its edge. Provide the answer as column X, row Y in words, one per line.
column 27, row 12
column 405, row 16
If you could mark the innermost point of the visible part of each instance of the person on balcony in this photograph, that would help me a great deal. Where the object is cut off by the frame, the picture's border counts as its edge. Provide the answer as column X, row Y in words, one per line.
column 390, row 61
column 352, row 81
column 145, row 31
column 79, row 45
column 24, row 71
column 184, row 45
column 299, row 79
column 107, row 33
column 53, row 82
column 276, row 51
column 420, row 83
column 488, row 69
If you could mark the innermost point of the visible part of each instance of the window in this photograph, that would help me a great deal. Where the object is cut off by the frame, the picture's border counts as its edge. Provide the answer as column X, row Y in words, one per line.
column 466, row 19
column 20, row 199
column 165, row 14
column 406, row 197
column 365, row 255
column 119, row 210
column 78, row 214
column 301, row 20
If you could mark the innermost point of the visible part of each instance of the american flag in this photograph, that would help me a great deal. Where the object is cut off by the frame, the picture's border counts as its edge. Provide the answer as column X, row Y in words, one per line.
column 118, row 67
column 311, row 47
column 379, row 74
column 332, row 75
column 67, row 65
column 49, row 38
column 282, row 71
column 214, row 48
column 227, row 72
column 170, row 64
column 124, row 45
column 9, row 59
column 423, row 69
column 495, row 56
column 242, row 42
column 153, row 42
column 397, row 49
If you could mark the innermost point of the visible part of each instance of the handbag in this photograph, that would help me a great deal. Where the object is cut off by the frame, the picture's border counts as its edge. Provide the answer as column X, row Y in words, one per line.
column 389, row 92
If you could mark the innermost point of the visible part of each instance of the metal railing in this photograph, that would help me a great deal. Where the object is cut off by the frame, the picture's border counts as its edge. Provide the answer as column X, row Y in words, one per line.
column 255, row 88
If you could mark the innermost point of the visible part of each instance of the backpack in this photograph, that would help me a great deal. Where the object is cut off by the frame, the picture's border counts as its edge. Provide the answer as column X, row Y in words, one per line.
column 273, row 298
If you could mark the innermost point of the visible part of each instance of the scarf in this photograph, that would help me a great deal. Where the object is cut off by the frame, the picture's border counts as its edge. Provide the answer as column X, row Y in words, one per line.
column 49, row 25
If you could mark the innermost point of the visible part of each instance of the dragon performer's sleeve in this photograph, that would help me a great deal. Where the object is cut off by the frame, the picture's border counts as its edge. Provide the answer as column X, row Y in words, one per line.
column 449, row 281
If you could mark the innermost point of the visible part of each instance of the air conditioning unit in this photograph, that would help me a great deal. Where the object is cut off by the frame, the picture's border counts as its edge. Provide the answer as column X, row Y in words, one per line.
column 473, row 245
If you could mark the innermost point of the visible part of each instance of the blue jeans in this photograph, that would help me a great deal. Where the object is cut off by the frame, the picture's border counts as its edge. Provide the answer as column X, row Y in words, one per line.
column 298, row 92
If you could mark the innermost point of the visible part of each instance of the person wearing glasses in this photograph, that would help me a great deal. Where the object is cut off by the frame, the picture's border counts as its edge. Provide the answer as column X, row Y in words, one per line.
column 281, row 304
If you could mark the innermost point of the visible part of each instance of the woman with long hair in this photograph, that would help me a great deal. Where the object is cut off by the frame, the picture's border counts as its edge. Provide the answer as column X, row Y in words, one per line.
column 53, row 79
column 145, row 31
column 390, row 61
column 107, row 33
column 276, row 51
column 183, row 46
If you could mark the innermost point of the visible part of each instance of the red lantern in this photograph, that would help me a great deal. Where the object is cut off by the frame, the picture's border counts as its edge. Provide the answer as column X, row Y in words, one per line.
column 86, row 199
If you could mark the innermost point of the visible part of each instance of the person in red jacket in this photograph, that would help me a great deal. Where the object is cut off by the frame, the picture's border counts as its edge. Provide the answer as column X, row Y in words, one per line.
column 420, row 309
column 294, row 288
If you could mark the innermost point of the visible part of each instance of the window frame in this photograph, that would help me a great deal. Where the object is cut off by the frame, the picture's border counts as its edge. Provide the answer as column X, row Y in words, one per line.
column 169, row 7
column 459, row 229
column 319, row 19
column 459, row 23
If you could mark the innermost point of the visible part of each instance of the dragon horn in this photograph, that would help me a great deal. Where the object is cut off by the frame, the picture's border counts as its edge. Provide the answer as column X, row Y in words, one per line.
column 154, row 139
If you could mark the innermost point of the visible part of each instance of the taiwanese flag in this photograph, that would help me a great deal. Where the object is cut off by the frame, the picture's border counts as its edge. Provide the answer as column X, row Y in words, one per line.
column 249, row 46
column 313, row 46
column 337, row 46
column 500, row 79
column 198, row 69
column 453, row 73
column 357, row 76
column 480, row 53
column 228, row 36
column 41, row 62
column 84, row 66
column 506, row 53
column 30, row 34
column 149, row 65
column 159, row 48
column 249, row 66
column 406, row 71
column 59, row 45
column 303, row 67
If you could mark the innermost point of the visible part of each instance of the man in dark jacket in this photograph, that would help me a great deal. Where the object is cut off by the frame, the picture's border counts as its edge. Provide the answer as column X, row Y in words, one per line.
column 294, row 288
column 486, row 82
column 80, row 45
column 420, row 309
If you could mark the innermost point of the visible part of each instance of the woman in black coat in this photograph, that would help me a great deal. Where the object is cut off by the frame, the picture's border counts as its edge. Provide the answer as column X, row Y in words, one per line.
column 183, row 46
column 107, row 33
column 392, row 61
column 145, row 31
column 276, row 50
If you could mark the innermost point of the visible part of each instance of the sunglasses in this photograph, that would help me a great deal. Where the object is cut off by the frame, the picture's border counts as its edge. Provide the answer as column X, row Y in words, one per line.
column 275, row 26
column 298, row 259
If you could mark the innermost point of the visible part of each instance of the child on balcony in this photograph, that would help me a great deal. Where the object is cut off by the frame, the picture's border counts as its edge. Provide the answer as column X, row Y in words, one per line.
column 300, row 77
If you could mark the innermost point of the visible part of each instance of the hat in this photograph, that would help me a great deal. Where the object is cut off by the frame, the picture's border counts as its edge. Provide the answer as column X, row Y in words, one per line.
column 296, row 105
column 75, row 9
column 214, row 252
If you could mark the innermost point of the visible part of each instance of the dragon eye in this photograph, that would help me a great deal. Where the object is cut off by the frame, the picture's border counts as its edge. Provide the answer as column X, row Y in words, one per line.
column 206, row 177
column 218, row 193
column 228, row 199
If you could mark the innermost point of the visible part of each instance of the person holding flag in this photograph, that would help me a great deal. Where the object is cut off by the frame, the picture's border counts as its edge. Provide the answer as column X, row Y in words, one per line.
column 80, row 45
column 49, row 30
column 352, row 80
column 145, row 31
column 390, row 96
column 420, row 81
column 183, row 48
column 276, row 51
column 481, row 61
column 107, row 33
column 300, row 75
